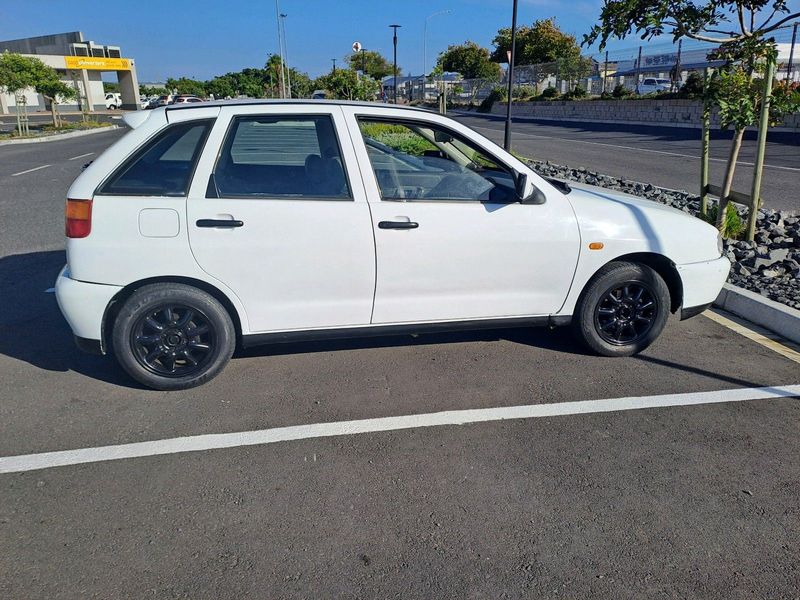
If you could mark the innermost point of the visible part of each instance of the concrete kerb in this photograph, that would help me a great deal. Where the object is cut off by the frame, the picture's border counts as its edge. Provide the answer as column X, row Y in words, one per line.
column 59, row 136
column 778, row 318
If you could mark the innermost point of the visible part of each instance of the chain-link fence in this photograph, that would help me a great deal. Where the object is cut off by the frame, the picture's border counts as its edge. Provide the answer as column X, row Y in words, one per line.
column 652, row 67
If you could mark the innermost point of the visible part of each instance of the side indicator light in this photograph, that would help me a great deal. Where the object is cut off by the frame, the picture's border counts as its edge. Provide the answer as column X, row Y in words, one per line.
column 78, row 218
column 596, row 246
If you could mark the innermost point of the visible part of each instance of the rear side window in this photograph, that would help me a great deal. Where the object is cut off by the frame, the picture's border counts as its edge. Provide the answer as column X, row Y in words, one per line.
column 163, row 166
column 281, row 157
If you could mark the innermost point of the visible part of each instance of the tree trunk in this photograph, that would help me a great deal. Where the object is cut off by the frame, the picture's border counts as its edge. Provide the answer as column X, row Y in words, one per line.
column 727, row 184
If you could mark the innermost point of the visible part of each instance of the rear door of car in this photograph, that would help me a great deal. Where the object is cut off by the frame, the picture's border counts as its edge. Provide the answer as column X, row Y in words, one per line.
column 278, row 213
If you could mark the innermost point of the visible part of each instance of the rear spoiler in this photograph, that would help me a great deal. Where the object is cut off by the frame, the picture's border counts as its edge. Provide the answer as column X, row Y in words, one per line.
column 135, row 118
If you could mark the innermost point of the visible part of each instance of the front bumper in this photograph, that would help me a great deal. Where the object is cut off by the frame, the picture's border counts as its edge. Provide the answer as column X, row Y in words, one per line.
column 702, row 283
column 83, row 306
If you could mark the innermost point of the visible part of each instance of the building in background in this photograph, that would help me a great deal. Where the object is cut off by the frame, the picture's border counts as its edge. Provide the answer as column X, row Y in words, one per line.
column 79, row 63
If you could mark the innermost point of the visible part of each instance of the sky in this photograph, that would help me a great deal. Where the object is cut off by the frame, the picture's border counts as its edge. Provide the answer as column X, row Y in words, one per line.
column 204, row 38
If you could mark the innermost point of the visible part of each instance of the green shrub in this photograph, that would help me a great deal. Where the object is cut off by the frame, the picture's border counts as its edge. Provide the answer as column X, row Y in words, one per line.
column 497, row 93
column 732, row 225
column 578, row 92
column 550, row 93
column 620, row 91
column 693, row 88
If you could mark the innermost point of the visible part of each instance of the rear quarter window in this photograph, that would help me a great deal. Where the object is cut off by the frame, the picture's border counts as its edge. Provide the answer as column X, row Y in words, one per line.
column 163, row 166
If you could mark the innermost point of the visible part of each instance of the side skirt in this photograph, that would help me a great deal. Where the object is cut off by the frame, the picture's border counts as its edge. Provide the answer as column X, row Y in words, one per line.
column 258, row 339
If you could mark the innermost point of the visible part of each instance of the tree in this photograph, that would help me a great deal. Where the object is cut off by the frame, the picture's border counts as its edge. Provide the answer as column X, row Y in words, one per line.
column 542, row 42
column 345, row 84
column 49, row 85
column 14, row 77
column 470, row 60
column 184, row 85
column 19, row 72
column 377, row 66
column 733, row 24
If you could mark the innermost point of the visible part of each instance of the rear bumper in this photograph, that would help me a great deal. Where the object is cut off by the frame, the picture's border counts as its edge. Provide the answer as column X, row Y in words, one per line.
column 702, row 283
column 83, row 306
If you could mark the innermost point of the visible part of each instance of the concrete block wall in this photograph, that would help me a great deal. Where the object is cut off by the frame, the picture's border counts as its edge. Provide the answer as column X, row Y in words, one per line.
column 686, row 113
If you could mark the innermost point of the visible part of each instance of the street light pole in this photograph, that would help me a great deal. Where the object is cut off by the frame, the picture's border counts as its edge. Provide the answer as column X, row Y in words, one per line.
column 286, row 55
column 394, row 42
column 334, row 64
column 425, row 47
column 512, row 56
column 280, row 46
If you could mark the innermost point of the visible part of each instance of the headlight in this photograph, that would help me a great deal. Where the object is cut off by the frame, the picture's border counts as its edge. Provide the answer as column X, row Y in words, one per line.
column 720, row 244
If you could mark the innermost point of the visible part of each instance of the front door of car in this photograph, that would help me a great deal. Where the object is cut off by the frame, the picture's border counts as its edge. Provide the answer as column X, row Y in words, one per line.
column 453, row 242
column 278, row 214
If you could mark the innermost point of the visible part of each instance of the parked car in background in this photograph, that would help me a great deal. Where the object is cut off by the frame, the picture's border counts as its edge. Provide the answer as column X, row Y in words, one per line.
column 164, row 100
column 186, row 99
column 113, row 100
column 651, row 85
column 319, row 95
column 213, row 225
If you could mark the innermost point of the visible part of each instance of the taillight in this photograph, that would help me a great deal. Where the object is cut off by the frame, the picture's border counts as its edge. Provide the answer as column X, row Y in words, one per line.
column 78, row 215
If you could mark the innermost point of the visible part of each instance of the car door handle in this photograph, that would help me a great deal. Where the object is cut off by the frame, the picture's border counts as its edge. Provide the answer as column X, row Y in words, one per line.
column 397, row 225
column 218, row 223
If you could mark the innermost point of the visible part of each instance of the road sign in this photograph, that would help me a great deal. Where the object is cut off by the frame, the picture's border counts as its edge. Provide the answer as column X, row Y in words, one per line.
column 356, row 46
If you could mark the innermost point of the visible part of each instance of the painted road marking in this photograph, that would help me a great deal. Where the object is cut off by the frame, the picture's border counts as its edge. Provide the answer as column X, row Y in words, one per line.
column 196, row 443
column 758, row 334
column 30, row 170
column 81, row 156
column 551, row 137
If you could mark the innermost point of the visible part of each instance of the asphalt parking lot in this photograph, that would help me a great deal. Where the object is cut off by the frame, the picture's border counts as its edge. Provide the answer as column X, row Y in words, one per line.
column 682, row 490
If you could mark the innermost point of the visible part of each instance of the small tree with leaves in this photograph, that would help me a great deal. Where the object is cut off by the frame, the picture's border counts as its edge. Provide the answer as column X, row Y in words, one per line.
column 740, row 27
column 373, row 63
column 345, row 84
column 19, row 72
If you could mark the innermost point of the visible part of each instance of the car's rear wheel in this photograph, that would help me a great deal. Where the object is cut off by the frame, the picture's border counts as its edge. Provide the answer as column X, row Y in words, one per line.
column 623, row 309
column 172, row 336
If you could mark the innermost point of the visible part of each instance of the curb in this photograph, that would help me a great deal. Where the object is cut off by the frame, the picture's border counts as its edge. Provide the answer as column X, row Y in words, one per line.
column 59, row 136
column 778, row 318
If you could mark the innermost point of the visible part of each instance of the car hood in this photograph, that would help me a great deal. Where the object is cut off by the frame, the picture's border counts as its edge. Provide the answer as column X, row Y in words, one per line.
column 626, row 223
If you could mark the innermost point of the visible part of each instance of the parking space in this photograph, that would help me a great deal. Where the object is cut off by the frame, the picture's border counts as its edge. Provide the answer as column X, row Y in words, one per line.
column 686, row 500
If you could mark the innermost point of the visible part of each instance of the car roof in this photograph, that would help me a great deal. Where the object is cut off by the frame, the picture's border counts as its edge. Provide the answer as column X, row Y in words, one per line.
column 294, row 101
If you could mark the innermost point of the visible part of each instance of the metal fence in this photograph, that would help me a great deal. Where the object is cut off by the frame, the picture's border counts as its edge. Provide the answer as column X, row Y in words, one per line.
column 602, row 72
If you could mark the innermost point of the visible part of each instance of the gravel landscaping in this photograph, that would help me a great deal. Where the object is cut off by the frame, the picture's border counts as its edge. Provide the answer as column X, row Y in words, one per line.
column 769, row 265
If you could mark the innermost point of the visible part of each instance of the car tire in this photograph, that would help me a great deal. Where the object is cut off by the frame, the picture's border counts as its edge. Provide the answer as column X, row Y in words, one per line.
column 622, row 310
column 170, row 336
column 112, row 107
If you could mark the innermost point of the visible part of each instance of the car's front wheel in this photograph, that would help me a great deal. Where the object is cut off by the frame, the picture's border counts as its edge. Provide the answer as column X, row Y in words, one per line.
column 172, row 336
column 622, row 310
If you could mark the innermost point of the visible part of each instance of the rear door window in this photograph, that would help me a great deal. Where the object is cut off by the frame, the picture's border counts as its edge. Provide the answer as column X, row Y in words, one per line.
column 285, row 156
column 163, row 166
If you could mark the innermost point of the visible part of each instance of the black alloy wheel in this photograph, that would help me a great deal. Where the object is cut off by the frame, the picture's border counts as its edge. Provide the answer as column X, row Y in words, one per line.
column 173, row 340
column 625, row 314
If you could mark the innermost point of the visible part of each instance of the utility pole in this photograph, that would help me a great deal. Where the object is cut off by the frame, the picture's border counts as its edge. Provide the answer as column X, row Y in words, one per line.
column 280, row 46
column 512, row 56
column 638, row 68
column 394, row 44
column 286, row 55
column 605, row 72
column 791, row 54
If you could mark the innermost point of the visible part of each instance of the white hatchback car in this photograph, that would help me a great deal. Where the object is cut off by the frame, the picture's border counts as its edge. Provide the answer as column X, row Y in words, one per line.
column 221, row 224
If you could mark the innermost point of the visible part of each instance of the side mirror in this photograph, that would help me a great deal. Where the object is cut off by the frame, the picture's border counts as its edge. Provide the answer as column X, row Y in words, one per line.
column 535, row 197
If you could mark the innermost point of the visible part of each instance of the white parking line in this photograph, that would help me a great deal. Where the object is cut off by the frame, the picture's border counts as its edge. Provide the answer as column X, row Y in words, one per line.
column 551, row 137
column 196, row 443
column 81, row 156
column 30, row 170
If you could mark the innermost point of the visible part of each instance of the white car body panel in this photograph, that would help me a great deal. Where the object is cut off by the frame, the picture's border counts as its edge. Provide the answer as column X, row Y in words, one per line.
column 467, row 260
column 625, row 224
column 307, row 264
column 295, row 264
